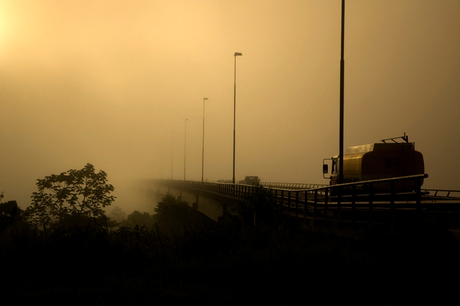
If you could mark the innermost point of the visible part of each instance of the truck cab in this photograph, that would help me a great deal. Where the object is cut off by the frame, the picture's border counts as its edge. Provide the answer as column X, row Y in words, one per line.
column 251, row 180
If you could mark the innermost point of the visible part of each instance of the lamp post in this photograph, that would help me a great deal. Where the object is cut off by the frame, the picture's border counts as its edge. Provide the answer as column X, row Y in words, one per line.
column 172, row 154
column 342, row 81
column 234, row 112
column 202, row 149
column 185, row 147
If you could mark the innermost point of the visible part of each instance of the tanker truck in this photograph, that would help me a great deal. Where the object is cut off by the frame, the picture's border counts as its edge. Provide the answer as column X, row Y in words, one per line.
column 392, row 157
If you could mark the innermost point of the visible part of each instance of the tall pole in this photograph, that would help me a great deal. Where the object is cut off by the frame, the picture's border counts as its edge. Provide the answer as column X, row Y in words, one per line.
column 202, row 149
column 342, row 80
column 172, row 154
column 185, row 147
column 234, row 113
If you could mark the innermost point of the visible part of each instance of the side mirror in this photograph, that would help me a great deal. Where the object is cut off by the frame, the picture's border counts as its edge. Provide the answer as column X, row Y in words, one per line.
column 325, row 169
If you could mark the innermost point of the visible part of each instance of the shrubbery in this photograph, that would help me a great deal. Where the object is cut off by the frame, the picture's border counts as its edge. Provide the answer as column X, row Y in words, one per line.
column 179, row 256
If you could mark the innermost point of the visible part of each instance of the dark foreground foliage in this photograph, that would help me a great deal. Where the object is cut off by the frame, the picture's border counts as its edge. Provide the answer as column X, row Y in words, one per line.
column 83, row 192
column 88, row 264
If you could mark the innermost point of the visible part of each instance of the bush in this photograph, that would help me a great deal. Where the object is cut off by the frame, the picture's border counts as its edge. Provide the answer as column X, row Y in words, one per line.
column 174, row 216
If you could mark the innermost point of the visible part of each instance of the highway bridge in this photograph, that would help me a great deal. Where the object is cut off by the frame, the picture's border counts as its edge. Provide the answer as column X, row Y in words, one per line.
column 352, row 207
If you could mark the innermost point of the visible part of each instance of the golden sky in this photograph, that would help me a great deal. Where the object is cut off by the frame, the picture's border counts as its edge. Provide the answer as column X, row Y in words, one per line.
column 107, row 82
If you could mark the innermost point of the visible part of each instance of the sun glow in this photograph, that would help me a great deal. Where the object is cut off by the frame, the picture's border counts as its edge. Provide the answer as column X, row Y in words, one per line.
column 5, row 28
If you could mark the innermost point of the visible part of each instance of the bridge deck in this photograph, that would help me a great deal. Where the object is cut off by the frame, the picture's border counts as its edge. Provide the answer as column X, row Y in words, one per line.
column 325, row 203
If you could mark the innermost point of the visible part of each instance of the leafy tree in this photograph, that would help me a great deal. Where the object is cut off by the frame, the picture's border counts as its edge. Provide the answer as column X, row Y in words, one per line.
column 9, row 212
column 73, row 193
column 173, row 215
column 140, row 219
column 171, row 212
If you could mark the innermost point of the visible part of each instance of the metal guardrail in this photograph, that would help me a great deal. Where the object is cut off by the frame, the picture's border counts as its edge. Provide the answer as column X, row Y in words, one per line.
column 328, row 193
column 292, row 185
column 366, row 202
column 363, row 201
column 443, row 193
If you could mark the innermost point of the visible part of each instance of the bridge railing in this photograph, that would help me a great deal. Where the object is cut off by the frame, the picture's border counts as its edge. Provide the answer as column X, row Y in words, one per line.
column 316, row 193
column 291, row 185
column 443, row 193
column 239, row 191
column 357, row 201
column 372, row 202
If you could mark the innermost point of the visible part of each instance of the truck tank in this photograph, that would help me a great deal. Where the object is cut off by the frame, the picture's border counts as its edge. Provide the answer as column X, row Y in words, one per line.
column 386, row 159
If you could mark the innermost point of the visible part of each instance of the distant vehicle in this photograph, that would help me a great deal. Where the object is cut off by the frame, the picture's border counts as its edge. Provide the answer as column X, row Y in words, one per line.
column 251, row 180
column 225, row 181
column 386, row 159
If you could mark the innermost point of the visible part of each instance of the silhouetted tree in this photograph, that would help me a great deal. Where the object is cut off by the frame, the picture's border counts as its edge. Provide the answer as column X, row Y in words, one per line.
column 73, row 193
column 140, row 219
column 9, row 212
column 9, row 209
column 172, row 213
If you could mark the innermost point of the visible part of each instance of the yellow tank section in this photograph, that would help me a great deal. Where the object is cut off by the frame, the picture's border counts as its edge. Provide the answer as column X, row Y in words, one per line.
column 381, row 160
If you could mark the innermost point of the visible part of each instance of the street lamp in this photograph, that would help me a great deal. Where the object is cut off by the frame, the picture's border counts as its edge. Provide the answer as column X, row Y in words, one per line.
column 185, row 146
column 202, row 150
column 172, row 154
column 234, row 113
column 342, row 84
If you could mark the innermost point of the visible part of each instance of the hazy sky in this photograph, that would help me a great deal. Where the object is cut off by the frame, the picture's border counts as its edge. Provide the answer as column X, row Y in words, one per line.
column 111, row 83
